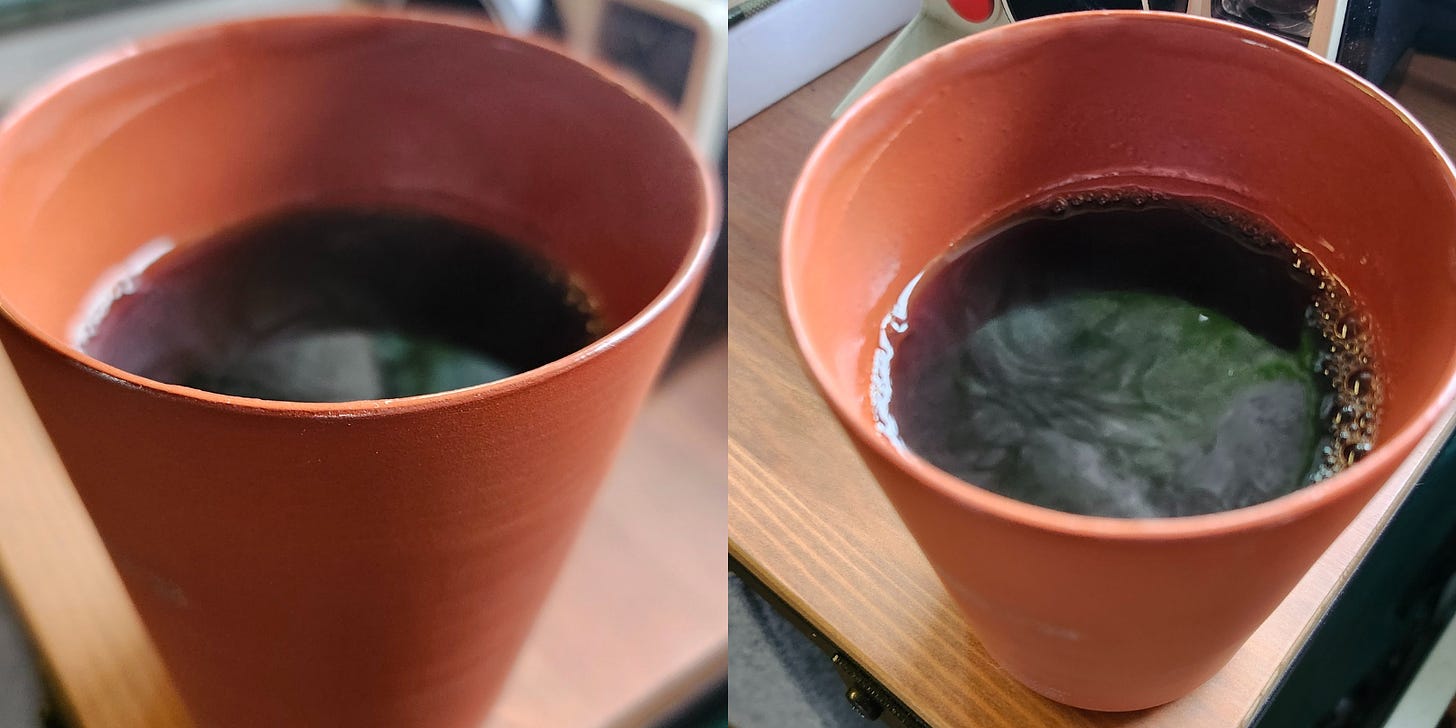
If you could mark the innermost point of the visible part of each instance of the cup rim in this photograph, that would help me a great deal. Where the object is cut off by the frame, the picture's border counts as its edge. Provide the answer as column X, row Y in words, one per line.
column 677, row 286
column 907, row 82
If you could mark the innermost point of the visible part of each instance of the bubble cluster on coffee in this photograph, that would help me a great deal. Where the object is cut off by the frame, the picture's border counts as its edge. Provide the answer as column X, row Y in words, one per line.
column 1350, row 410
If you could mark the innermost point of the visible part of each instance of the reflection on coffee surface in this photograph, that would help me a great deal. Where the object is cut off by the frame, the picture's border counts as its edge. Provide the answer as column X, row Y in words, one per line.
column 1128, row 353
column 342, row 304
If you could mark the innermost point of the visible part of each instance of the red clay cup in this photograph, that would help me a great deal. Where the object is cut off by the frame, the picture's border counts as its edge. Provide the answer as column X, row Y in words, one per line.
column 1105, row 613
column 373, row 563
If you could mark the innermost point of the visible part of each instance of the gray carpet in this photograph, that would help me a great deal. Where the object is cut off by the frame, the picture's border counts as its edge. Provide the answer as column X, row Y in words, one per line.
column 20, row 689
column 776, row 677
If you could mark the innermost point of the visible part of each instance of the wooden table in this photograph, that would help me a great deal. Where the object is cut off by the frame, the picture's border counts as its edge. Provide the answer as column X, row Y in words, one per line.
column 807, row 520
column 637, row 624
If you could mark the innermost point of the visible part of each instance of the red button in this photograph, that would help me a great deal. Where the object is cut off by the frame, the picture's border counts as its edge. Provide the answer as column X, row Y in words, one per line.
column 976, row 11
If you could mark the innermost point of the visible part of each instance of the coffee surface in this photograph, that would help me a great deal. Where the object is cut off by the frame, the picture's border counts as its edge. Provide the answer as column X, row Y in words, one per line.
column 1126, row 353
column 341, row 304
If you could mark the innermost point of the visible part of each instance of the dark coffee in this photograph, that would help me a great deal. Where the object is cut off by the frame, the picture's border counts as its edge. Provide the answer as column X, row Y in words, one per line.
column 1126, row 353
column 333, row 305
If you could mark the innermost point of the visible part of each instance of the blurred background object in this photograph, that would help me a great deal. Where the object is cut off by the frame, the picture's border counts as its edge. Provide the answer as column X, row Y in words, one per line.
column 676, row 47
column 40, row 37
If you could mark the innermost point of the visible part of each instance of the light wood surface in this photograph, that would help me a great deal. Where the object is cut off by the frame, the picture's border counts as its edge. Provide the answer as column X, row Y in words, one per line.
column 637, row 624
column 806, row 517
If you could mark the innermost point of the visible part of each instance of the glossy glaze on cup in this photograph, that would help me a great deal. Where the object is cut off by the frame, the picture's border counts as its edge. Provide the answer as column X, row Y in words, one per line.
column 360, row 564
column 1094, row 612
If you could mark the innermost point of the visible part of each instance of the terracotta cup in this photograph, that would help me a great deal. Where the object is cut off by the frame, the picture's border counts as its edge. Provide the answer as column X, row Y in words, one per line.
column 1105, row 613
column 373, row 563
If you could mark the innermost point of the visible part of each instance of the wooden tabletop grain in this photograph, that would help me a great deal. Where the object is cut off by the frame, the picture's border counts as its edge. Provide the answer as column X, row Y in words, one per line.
column 808, row 520
column 636, row 625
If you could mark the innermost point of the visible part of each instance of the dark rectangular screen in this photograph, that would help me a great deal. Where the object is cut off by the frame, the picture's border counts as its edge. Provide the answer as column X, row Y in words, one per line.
column 658, row 49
